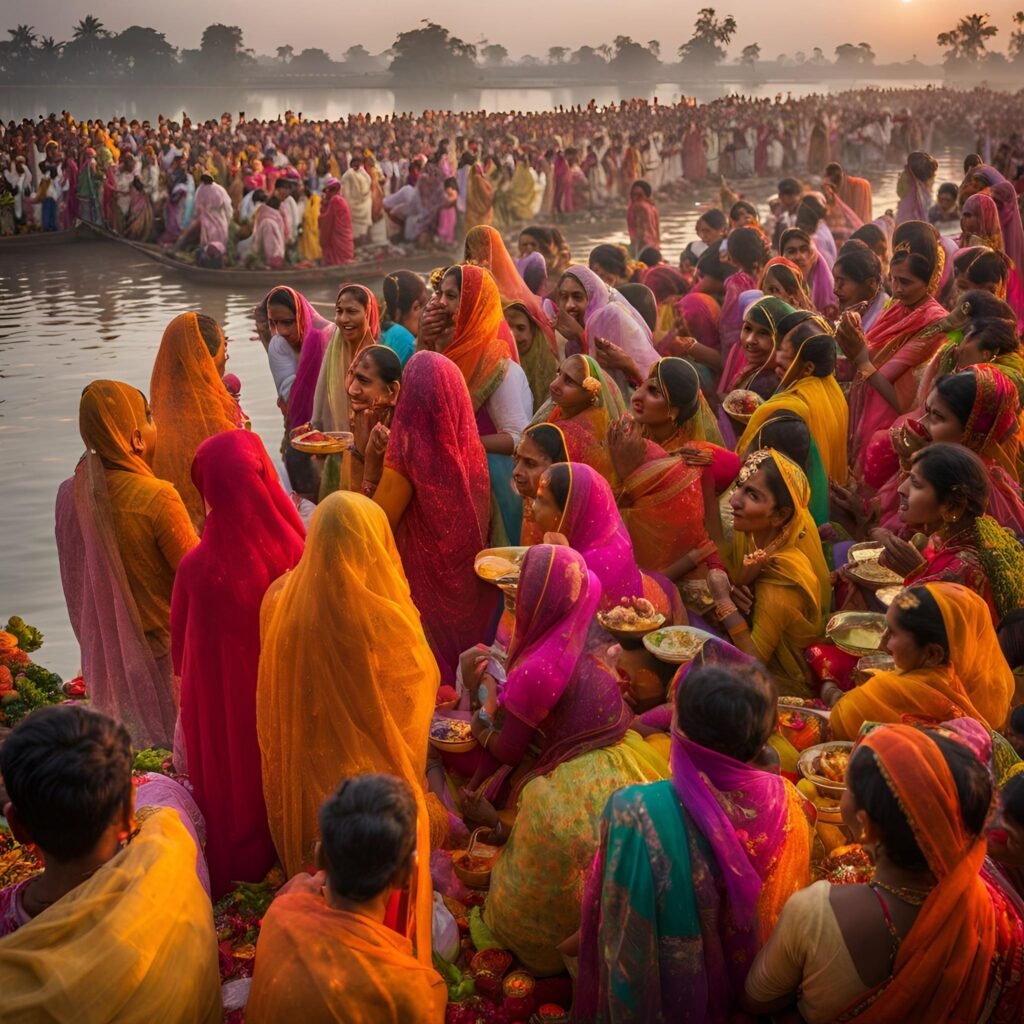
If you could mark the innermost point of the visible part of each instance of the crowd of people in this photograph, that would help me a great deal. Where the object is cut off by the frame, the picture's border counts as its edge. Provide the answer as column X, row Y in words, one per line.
column 710, row 444
column 296, row 191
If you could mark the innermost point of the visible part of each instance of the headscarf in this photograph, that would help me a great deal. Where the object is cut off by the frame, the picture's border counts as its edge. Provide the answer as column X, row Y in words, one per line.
column 798, row 561
column 701, row 426
column 539, row 363
column 533, row 269
column 725, row 798
column 315, row 332
column 781, row 261
column 992, row 428
column 943, row 966
column 991, row 233
column 342, row 626
column 253, row 536
column 766, row 312
column 664, row 282
column 974, row 650
column 484, row 245
column 475, row 348
column 331, row 409
column 190, row 404
column 557, row 598
column 599, row 295
column 435, row 446
column 616, row 324
column 125, row 679
column 593, row 526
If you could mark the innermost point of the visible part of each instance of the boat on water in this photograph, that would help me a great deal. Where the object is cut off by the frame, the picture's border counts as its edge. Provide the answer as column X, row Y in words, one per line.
column 377, row 267
column 36, row 239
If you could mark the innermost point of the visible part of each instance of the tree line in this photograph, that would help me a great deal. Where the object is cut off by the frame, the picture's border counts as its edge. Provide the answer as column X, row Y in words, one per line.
column 96, row 54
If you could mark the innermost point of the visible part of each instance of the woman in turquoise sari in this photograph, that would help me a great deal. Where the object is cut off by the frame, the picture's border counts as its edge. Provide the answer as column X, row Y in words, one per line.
column 692, row 873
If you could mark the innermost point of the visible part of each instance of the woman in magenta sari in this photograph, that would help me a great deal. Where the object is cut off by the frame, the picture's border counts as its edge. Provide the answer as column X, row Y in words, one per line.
column 435, row 490
column 903, row 339
column 575, row 504
column 252, row 536
column 981, row 221
column 691, row 874
column 799, row 248
column 749, row 251
column 560, row 695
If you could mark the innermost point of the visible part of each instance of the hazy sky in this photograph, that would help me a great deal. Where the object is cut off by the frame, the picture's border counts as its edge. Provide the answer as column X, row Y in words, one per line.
column 895, row 28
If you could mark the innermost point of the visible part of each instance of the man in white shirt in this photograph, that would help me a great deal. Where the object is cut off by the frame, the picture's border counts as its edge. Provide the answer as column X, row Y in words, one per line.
column 357, row 192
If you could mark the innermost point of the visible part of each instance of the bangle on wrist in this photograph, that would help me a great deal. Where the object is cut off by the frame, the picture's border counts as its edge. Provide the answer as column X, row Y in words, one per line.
column 357, row 453
column 723, row 609
column 740, row 627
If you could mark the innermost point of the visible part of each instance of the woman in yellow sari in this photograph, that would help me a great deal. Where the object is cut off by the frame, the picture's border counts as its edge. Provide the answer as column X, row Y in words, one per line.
column 117, row 927
column 346, row 682
column 779, row 576
column 948, row 665
column 807, row 356
column 309, row 240
column 190, row 402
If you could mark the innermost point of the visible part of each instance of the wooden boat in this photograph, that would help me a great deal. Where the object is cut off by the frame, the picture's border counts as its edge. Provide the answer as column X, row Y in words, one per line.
column 37, row 239
column 240, row 276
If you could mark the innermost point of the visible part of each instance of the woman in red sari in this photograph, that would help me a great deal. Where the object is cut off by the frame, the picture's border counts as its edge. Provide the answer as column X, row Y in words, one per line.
column 903, row 339
column 435, row 490
column 253, row 535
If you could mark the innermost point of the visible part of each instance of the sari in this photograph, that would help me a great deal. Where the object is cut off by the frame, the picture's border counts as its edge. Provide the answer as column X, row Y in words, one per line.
column 522, row 193
column 121, row 534
column 331, row 410
column 190, row 404
column 360, row 971
column 702, row 313
column 586, row 433
column 730, row 322
column 309, row 239
column 593, row 526
column 476, row 347
column 486, row 248
column 134, row 942
column 346, row 683
column 766, row 312
column 690, row 877
column 316, row 332
column 539, row 363
column 253, row 536
column 615, row 324
column 900, row 343
column 962, row 958
column 781, row 261
column 821, row 404
column 479, row 198
column 856, row 193
column 335, row 236
column 985, row 557
column 557, row 682
column 435, row 451
column 793, row 591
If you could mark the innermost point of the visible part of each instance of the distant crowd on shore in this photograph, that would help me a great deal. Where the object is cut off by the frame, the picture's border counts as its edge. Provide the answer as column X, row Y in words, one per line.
column 276, row 193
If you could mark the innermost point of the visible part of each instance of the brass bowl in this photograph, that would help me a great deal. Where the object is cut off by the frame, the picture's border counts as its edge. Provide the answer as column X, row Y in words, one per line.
column 857, row 633
column 808, row 764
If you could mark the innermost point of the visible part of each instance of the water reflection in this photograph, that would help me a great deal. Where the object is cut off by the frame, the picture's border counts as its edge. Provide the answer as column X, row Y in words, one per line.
column 203, row 102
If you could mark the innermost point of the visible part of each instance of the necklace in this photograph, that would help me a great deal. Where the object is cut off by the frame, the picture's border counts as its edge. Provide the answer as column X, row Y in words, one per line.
column 760, row 555
column 904, row 893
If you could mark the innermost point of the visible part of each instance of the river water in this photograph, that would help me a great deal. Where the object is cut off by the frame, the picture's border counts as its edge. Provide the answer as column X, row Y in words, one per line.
column 73, row 313
column 203, row 102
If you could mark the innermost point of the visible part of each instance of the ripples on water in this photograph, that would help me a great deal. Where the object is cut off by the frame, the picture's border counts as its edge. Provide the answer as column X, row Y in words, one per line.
column 73, row 313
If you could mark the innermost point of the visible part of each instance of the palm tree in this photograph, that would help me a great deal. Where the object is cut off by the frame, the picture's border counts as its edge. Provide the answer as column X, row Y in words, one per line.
column 285, row 53
column 49, row 47
column 22, row 37
column 90, row 27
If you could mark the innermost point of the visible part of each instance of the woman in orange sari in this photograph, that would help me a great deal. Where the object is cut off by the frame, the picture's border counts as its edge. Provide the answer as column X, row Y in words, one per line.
column 189, row 401
column 485, row 248
column 121, row 535
column 948, row 665
column 932, row 937
column 902, row 341
column 479, row 197
column 346, row 683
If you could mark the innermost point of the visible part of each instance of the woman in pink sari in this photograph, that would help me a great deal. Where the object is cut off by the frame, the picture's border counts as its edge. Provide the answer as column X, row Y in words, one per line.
column 574, row 502
column 435, row 489
column 903, row 339
column 337, row 245
column 691, row 874
column 981, row 222
column 798, row 247
column 252, row 536
column 561, row 696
